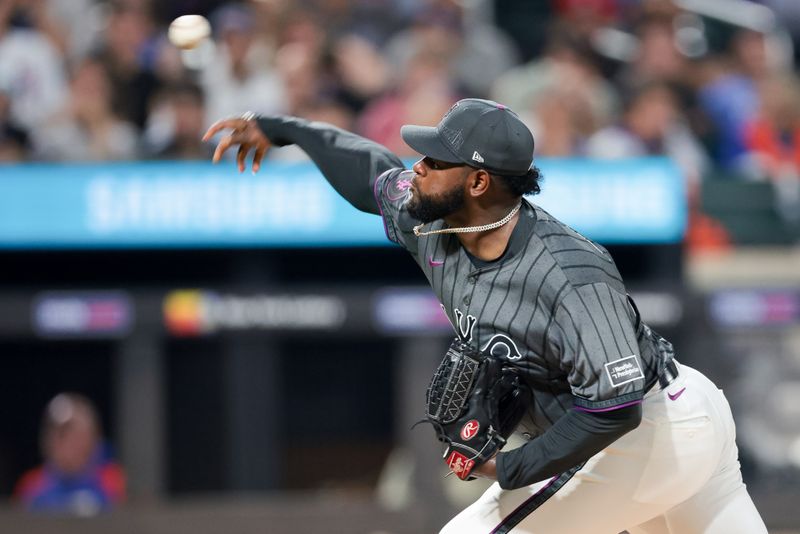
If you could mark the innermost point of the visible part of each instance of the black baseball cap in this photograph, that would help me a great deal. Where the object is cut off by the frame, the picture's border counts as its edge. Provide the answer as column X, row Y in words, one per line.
column 478, row 132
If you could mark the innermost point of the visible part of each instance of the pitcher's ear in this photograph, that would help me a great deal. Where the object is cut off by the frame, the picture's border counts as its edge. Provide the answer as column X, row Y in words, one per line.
column 478, row 182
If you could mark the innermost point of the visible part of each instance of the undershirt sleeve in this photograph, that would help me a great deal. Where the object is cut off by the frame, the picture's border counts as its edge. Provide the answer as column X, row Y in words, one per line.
column 573, row 439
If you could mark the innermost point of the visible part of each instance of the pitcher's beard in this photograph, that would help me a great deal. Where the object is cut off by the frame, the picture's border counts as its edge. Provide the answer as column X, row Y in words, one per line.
column 427, row 208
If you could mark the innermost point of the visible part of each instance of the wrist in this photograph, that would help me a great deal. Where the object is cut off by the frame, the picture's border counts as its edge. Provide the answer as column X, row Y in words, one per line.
column 487, row 469
column 500, row 471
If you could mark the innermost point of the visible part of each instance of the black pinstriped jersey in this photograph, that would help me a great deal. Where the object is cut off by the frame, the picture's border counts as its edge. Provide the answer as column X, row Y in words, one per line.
column 554, row 305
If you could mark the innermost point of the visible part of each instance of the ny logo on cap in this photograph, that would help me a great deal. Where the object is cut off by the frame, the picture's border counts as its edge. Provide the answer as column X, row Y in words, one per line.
column 477, row 157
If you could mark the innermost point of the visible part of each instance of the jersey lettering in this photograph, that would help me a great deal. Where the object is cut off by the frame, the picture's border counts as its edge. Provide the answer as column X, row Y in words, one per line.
column 465, row 333
column 502, row 346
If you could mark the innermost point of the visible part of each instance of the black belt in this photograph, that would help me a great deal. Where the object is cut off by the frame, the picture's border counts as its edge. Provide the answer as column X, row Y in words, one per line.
column 668, row 375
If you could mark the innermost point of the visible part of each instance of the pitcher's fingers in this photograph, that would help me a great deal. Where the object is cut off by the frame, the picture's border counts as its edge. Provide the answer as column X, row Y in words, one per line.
column 258, row 156
column 241, row 156
column 223, row 124
column 224, row 144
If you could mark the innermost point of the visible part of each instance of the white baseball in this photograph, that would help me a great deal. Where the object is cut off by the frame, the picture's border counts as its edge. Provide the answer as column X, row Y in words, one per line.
column 188, row 31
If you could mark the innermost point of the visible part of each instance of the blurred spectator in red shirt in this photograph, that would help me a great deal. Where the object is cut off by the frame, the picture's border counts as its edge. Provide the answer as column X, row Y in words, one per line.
column 773, row 135
column 773, row 139
column 585, row 16
column 78, row 477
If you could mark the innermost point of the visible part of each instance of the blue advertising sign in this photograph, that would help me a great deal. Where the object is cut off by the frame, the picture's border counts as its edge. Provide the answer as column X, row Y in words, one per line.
column 617, row 201
column 197, row 204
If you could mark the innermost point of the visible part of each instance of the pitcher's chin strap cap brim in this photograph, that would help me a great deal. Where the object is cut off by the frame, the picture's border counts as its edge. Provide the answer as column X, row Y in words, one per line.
column 426, row 141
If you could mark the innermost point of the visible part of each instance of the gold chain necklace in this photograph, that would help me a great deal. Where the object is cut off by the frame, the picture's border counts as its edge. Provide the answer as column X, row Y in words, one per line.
column 464, row 229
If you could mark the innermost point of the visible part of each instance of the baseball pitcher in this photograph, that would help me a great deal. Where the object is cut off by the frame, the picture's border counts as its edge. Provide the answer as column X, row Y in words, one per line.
column 548, row 343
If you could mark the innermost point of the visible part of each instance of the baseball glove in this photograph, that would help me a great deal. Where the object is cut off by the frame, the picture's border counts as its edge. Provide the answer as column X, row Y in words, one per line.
column 474, row 402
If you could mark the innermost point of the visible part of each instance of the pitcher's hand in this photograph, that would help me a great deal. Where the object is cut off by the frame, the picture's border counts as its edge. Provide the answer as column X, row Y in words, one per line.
column 245, row 133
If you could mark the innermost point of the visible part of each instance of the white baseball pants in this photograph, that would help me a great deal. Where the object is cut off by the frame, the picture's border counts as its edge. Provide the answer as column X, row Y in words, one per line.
column 677, row 473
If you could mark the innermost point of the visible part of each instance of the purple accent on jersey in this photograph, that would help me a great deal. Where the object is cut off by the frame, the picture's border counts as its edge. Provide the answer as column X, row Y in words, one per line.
column 501, row 106
column 675, row 397
column 380, row 204
column 612, row 408
column 435, row 263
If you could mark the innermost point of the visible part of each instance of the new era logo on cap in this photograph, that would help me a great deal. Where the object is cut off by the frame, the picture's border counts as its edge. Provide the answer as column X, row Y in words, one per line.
column 477, row 157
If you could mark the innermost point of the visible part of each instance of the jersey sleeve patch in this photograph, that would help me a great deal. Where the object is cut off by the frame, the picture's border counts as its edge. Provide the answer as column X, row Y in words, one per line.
column 624, row 370
column 593, row 334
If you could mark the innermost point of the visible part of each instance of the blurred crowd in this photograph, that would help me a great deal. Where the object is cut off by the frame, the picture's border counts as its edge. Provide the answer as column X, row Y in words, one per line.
column 92, row 80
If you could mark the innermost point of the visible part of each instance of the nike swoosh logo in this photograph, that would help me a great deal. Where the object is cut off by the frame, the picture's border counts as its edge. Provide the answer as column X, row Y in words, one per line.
column 435, row 263
column 678, row 394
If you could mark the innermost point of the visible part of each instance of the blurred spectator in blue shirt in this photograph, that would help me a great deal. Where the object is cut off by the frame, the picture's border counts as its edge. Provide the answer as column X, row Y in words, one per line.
column 78, row 477
column 729, row 96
